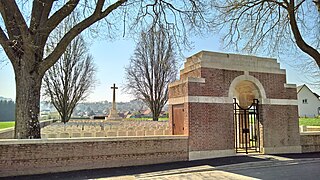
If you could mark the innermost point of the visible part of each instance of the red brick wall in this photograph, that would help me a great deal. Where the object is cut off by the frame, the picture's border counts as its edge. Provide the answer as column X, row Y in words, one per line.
column 273, row 84
column 193, row 73
column 178, row 91
column 210, row 127
column 44, row 156
column 217, row 83
column 280, row 125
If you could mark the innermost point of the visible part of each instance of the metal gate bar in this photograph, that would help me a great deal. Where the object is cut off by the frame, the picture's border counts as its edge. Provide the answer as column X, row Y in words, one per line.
column 246, row 123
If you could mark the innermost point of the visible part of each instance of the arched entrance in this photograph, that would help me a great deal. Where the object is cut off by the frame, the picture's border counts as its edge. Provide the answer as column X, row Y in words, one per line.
column 246, row 117
column 265, row 106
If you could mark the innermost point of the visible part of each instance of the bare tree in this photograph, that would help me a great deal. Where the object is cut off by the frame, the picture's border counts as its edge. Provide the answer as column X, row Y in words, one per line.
column 271, row 24
column 70, row 79
column 151, row 69
column 27, row 25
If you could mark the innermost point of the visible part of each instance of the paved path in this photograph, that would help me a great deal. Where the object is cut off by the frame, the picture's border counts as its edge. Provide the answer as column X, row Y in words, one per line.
column 294, row 166
column 272, row 169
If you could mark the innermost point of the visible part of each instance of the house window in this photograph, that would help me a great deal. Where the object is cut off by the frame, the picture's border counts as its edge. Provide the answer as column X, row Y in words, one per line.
column 304, row 101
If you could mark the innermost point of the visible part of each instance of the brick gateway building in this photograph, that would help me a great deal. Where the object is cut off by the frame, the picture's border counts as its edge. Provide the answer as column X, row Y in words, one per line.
column 229, row 103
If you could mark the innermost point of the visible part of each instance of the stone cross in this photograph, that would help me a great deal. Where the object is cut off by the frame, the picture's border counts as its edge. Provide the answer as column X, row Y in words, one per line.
column 114, row 97
column 113, row 115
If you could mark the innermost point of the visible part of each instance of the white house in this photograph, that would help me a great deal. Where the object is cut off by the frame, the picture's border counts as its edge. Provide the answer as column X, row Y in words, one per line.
column 308, row 102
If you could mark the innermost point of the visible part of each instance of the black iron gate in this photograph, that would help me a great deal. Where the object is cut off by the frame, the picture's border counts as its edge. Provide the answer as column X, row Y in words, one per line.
column 247, row 132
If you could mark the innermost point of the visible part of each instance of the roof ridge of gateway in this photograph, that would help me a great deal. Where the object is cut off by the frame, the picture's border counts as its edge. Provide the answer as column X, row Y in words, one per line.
column 230, row 54
column 227, row 61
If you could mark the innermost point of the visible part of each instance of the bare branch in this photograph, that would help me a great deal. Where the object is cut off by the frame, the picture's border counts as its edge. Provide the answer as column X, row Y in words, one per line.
column 151, row 69
column 71, row 78
column 40, row 13
column 27, row 45
column 77, row 29
column 4, row 41
column 59, row 15
column 299, row 40
column 12, row 8
column 256, row 24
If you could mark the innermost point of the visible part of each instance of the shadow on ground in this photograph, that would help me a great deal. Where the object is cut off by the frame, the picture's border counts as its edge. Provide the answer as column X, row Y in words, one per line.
column 300, row 155
column 135, row 170
column 132, row 170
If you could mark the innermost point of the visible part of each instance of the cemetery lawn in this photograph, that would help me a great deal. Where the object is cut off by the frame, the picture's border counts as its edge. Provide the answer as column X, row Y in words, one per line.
column 6, row 124
column 309, row 121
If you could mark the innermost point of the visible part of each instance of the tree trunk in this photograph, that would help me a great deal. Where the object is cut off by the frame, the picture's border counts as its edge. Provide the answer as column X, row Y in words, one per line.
column 63, row 116
column 28, row 85
column 155, row 114
column 155, row 118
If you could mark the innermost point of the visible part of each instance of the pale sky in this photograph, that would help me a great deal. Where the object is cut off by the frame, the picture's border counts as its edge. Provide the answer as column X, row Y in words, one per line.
column 111, row 58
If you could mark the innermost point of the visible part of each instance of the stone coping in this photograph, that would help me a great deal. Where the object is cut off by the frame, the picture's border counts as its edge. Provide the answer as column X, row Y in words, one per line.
column 188, row 79
column 294, row 86
column 309, row 133
column 312, row 126
column 227, row 100
column 234, row 62
column 223, row 54
column 90, row 139
column 6, row 129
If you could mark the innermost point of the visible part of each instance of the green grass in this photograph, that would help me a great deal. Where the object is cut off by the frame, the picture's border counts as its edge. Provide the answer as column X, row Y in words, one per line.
column 309, row 121
column 6, row 124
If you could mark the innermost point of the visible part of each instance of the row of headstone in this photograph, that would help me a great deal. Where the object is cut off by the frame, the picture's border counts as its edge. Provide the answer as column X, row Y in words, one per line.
column 116, row 128
column 89, row 124
column 94, row 128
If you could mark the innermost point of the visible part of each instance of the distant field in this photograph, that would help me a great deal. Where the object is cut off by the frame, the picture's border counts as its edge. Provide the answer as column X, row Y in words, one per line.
column 6, row 124
column 309, row 121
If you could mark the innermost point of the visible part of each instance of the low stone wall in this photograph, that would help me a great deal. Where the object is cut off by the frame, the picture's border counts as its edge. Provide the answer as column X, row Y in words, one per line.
column 8, row 133
column 309, row 128
column 45, row 123
column 310, row 141
column 36, row 156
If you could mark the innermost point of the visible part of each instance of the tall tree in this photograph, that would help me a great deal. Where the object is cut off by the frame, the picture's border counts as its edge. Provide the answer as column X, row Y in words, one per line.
column 27, row 25
column 70, row 79
column 271, row 24
column 151, row 69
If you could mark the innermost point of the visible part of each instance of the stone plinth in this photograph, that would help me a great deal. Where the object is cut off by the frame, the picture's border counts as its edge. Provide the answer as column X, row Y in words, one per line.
column 113, row 115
